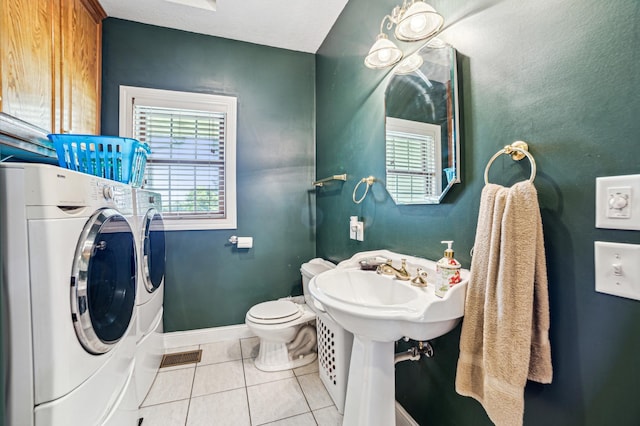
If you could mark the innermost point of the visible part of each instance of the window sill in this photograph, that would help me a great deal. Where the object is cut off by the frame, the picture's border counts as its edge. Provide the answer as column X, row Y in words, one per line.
column 199, row 224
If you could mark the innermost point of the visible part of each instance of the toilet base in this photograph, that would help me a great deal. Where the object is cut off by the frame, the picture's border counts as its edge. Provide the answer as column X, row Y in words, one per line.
column 275, row 357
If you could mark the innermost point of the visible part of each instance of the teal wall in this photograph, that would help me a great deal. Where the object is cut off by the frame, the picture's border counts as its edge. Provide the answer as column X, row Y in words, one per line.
column 209, row 282
column 562, row 75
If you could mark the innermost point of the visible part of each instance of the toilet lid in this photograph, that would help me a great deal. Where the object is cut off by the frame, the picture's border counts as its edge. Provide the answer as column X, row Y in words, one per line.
column 274, row 312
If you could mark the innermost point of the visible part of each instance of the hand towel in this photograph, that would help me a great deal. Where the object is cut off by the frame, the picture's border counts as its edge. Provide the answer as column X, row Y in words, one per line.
column 505, row 330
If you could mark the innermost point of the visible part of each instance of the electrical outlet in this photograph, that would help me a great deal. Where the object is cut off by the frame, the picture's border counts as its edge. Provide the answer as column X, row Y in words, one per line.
column 360, row 231
column 353, row 227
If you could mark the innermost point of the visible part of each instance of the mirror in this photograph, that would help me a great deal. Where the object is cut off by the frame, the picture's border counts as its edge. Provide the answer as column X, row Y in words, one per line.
column 422, row 136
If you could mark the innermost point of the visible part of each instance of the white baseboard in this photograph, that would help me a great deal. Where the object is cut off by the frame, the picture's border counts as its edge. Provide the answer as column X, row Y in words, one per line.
column 403, row 418
column 177, row 339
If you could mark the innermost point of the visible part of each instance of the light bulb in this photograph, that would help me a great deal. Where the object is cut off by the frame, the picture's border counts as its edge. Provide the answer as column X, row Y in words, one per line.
column 418, row 23
column 384, row 55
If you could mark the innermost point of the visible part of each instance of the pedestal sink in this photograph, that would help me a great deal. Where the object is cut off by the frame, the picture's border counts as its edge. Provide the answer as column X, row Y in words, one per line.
column 378, row 310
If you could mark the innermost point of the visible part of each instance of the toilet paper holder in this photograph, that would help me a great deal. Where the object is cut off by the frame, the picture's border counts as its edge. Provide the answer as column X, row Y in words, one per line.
column 241, row 242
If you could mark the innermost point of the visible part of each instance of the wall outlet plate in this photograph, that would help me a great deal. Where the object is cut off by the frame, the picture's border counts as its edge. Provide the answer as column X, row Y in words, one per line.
column 617, row 268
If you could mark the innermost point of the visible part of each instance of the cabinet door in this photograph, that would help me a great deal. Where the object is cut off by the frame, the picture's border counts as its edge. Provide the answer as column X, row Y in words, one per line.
column 27, row 60
column 81, row 33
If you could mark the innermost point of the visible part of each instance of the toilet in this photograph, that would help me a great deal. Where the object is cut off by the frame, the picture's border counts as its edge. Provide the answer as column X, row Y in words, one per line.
column 286, row 327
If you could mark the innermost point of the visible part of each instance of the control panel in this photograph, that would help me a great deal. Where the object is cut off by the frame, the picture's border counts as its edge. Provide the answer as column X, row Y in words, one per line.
column 618, row 202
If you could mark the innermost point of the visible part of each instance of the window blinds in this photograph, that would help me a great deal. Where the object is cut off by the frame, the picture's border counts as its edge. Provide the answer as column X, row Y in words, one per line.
column 411, row 166
column 187, row 161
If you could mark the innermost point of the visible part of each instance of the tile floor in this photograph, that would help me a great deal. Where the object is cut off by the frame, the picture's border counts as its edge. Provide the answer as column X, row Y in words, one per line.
column 225, row 388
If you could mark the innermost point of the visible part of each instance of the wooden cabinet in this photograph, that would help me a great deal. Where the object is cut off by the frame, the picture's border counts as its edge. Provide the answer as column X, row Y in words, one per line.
column 27, row 58
column 50, row 63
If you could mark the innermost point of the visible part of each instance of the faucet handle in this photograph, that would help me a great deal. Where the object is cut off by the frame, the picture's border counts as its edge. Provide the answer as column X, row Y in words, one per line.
column 420, row 279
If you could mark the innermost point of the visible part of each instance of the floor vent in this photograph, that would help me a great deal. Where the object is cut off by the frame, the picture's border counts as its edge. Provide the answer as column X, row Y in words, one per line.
column 181, row 358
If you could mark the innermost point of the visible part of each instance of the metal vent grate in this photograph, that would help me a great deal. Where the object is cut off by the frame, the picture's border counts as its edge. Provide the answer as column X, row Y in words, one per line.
column 180, row 358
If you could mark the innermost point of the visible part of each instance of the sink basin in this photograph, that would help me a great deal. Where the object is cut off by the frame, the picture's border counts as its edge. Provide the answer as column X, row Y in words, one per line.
column 378, row 310
column 383, row 308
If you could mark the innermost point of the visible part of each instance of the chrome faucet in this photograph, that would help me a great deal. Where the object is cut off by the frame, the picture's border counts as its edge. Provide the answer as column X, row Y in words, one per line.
column 388, row 269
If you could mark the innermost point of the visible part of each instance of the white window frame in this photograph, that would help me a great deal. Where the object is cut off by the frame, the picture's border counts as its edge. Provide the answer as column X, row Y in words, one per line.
column 195, row 101
column 419, row 129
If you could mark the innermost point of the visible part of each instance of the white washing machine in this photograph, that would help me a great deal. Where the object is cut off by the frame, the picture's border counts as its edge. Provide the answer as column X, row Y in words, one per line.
column 69, row 264
column 150, row 240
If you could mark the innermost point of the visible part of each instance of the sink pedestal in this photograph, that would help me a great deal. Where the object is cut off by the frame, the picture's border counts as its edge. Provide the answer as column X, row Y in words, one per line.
column 379, row 310
column 371, row 387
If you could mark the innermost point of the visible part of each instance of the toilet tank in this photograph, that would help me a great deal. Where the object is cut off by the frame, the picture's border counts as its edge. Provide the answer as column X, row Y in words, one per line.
column 309, row 270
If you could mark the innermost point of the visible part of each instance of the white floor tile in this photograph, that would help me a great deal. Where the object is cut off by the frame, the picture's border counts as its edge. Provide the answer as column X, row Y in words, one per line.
column 220, row 352
column 170, row 386
column 220, row 409
column 169, row 414
column 250, row 347
column 306, row 369
column 305, row 419
column 315, row 392
column 273, row 401
column 328, row 416
column 219, row 377
column 255, row 376
column 226, row 388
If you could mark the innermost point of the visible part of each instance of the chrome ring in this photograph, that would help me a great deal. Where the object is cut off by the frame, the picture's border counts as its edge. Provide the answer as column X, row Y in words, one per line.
column 146, row 231
column 80, row 312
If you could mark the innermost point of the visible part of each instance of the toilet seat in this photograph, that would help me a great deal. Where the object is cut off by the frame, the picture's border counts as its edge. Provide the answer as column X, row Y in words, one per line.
column 274, row 312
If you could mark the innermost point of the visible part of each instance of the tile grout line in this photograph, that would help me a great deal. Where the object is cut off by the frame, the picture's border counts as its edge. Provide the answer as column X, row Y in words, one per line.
column 305, row 396
column 244, row 377
column 193, row 380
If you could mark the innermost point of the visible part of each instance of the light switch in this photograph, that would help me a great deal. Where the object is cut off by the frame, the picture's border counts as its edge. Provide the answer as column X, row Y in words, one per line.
column 618, row 202
column 618, row 269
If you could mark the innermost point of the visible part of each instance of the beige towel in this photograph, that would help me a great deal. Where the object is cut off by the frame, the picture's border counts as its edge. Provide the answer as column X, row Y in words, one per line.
column 505, row 330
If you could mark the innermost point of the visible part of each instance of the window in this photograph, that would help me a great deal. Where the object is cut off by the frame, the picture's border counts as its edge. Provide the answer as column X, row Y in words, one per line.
column 413, row 161
column 192, row 163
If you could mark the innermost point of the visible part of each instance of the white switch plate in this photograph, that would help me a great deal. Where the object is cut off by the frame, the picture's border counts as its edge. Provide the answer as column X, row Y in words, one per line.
column 618, row 269
column 618, row 186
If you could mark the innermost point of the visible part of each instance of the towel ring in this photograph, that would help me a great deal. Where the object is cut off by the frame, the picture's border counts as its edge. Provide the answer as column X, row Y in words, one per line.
column 369, row 181
column 517, row 150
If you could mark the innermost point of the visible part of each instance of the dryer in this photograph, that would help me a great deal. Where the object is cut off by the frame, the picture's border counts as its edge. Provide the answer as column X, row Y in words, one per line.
column 150, row 240
column 69, row 263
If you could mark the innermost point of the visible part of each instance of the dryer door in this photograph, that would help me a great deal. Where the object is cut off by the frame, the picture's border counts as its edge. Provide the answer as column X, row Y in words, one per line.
column 153, row 255
column 103, row 281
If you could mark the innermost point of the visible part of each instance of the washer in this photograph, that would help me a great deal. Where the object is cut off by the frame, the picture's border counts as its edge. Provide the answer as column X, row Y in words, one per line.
column 150, row 240
column 69, row 262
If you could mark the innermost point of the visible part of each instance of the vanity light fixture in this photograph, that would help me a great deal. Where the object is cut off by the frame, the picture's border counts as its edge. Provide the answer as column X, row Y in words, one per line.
column 414, row 21
column 409, row 64
column 383, row 53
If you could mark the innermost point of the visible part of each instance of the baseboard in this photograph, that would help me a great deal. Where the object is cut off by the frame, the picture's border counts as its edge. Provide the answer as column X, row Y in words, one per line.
column 177, row 339
column 403, row 418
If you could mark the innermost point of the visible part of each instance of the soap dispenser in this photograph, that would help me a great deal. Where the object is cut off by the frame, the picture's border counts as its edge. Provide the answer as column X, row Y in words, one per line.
column 447, row 271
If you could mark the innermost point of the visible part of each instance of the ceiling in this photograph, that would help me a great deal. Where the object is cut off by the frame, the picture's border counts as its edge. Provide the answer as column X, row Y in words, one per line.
column 300, row 25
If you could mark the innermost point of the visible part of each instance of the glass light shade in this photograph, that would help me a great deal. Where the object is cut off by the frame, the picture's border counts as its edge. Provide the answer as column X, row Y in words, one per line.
column 383, row 53
column 409, row 64
column 418, row 22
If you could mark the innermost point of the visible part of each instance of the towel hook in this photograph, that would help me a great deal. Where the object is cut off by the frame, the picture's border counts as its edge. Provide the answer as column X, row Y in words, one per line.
column 517, row 150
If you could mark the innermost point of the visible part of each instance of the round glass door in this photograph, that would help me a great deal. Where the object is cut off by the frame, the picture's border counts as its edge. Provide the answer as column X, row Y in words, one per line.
column 103, row 281
column 153, row 256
